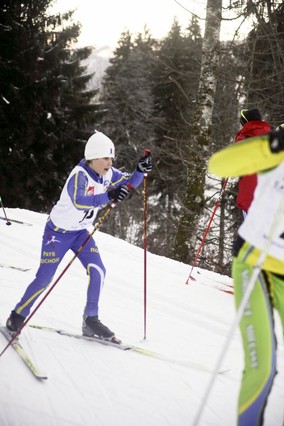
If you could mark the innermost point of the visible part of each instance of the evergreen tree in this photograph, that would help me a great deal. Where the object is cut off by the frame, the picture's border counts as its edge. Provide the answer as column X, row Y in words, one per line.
column 175, row 80
column 217, row 253
column 45, row 111
column 193, row 200
column 127, row 96
column 264, row 57
column 148, row 90
column 128, row 101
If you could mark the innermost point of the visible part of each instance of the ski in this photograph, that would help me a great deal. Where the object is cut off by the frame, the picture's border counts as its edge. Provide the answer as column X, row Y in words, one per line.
column 114, row 344
column 15, row 221
column 126, row 347
column 23, row 355
column 225, row 291
column 224, row 287
column 17, row 268
column 221, row 282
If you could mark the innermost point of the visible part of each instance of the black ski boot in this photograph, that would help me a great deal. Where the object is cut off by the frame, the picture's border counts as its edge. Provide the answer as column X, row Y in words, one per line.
column 14, row 322
column 93, row 327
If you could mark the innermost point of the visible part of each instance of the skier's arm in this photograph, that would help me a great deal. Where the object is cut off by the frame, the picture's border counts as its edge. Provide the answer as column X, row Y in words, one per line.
column 250, row 156
column 77, row 190
column 144, row 166
column 120, row 178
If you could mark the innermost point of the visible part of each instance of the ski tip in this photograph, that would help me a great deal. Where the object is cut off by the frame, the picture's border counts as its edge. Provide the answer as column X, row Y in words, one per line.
column 227, row 291
column 40, row 377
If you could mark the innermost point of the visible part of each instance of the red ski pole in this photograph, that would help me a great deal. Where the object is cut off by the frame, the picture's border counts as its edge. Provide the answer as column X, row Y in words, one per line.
column 206, row 231
column 147, row 153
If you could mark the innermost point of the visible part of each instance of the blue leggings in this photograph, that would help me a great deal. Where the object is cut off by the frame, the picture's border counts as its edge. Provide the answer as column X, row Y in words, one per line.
column 55, row 244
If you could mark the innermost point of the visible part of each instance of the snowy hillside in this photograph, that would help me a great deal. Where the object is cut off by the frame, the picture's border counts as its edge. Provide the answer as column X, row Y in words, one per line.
column 92, row 385
column 97, row 63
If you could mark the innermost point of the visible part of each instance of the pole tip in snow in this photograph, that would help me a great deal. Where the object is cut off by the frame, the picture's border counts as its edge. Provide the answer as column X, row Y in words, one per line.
column 190, row 278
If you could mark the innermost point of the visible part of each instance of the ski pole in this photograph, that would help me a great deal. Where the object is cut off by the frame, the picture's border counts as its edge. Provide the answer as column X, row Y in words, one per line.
column 96, row 227
column 241, row 308
column 206, row 231
column 147, row 153
column 4, row 211
column 228, row 339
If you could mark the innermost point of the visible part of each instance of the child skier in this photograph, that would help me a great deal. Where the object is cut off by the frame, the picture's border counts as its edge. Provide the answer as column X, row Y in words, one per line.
column 90, row 185
column 261, row 236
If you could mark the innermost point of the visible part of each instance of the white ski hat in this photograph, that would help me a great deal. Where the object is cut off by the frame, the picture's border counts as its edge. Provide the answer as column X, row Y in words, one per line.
column 99, row 146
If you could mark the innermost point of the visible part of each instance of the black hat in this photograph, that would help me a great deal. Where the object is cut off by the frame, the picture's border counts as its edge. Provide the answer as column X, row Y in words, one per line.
column 250, row 115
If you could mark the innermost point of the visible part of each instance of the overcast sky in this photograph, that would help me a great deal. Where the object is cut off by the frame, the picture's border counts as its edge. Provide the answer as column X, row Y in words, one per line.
column 103, row 21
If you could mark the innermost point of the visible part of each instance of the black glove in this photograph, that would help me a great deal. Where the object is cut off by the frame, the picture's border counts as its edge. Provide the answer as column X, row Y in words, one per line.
column 276, row 141
column 145, row 164
column 118, row 194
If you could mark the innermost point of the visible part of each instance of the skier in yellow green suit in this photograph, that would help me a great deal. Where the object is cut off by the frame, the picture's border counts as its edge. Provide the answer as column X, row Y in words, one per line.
column 262, row 233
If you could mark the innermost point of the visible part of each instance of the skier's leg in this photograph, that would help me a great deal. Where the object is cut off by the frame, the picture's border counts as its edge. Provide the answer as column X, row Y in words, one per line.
column 54, row 247
column 277, row 294
column 92, row 262
column 259, row 345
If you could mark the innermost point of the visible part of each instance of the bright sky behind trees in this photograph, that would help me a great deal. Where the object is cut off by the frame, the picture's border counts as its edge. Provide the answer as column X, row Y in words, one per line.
column 104, row 21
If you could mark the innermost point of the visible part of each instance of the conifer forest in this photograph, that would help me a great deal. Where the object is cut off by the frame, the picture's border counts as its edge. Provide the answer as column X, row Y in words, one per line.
column 180, row 97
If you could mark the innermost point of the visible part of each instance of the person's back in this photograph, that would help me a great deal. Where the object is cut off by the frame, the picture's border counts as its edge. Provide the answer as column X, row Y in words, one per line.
column 253, row 125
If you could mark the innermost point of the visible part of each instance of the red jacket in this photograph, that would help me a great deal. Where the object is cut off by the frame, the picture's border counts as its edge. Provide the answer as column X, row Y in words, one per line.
column 248, row 183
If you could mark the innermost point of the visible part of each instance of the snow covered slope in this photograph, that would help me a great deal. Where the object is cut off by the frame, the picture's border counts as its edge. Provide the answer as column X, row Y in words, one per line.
column 92, row 385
